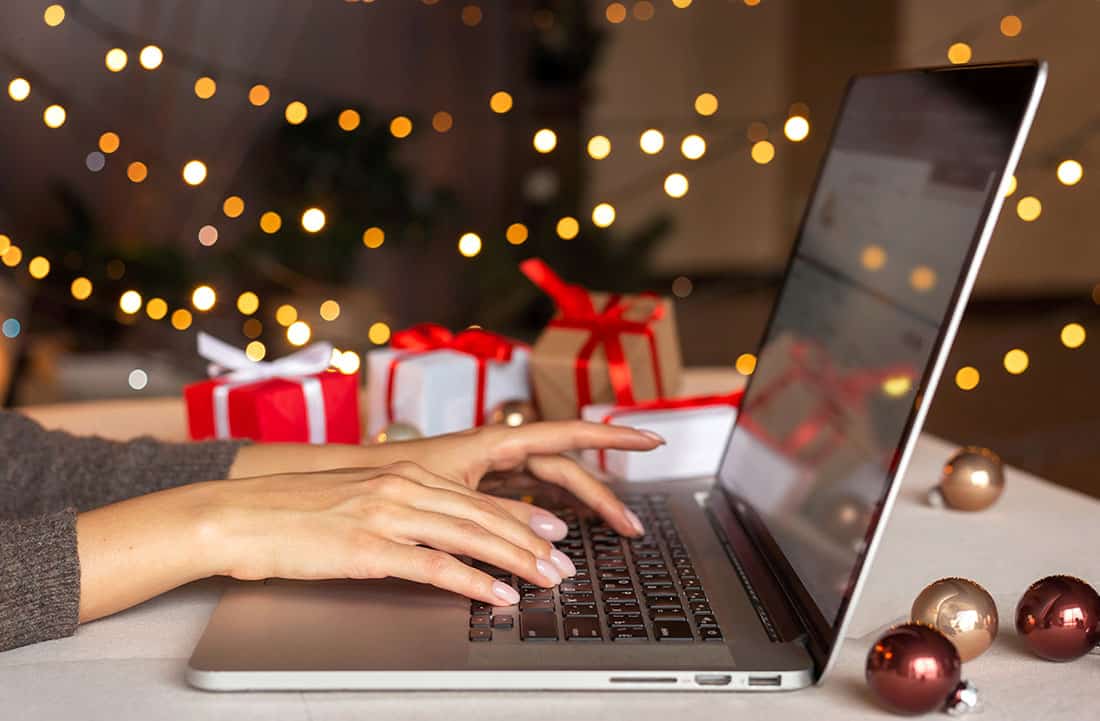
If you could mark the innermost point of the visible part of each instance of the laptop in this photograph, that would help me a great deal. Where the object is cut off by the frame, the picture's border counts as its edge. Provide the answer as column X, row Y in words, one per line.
column 747, row 580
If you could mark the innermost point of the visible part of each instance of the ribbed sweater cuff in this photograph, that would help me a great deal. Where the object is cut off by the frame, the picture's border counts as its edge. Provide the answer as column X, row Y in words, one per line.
column 39, row 579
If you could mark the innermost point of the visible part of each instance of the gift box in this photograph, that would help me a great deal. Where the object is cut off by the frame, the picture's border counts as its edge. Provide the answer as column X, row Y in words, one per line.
column 696, row 430
column 295, row 399
column 442, row 382
column 601, row 348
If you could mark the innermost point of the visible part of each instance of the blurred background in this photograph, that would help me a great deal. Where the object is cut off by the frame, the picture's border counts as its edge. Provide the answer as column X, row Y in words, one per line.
column 281, row 171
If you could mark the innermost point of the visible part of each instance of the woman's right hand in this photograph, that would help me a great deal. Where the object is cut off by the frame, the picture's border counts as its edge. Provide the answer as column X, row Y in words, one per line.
column 398, row 520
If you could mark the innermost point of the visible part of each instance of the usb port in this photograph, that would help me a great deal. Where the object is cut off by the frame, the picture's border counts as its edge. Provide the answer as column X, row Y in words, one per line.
column 758, row 681
column 713, row 679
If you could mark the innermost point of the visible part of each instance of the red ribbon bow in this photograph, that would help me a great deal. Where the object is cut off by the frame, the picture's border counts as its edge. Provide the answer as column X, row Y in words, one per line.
column 482, row 345
column 605, row 327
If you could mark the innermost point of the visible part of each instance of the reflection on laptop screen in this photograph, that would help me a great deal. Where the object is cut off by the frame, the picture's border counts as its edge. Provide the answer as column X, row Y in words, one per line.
column 915, row 161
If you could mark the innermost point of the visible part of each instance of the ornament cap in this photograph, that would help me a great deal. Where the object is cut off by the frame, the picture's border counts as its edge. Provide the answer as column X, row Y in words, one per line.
column 963, row 700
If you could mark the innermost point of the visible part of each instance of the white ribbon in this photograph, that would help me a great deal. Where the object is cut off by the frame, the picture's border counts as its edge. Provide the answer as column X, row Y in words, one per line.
column 297, row 368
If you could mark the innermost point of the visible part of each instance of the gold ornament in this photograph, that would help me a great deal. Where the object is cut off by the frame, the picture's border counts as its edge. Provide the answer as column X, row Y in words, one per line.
column 961, row 610
column 973, row 480
column 398, row 431
column 513, row 412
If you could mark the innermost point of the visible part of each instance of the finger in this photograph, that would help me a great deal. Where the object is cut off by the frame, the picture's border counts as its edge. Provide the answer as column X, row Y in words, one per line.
column 509, row 447
column 569, row 474
column 542, row 522
column 426, row 565
column 460, row 536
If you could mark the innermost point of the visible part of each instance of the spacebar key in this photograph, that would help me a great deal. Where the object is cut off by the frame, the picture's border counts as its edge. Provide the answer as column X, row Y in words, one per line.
column 538, row 626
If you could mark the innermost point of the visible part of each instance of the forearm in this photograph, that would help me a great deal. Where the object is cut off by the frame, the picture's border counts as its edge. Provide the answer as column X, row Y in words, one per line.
column 263, row 459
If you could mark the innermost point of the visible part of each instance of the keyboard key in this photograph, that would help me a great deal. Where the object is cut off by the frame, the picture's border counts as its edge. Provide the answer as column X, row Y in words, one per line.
column 580, row 610
column 661, row 600
column 575, row 587
column 503, row 622
column 607, row 564
column 696, row 595
column 691, row 584
column 575, row 598
column 624, row 620
column 629, row 634
column 654, row 576
column 705, row 619
column 481, row 634
column 672, row 631
column 652, row 565
column 700, row 607
column 622, row 607
column 619, row 596
column 582, row 629
column 538, row 627
column 668, row 614
column 617, row 584
column 479, row 620
column 613, row 574
column 479, row 607
column 710, row 633
column 660, row 586
column 539, row 605
column 542, row 594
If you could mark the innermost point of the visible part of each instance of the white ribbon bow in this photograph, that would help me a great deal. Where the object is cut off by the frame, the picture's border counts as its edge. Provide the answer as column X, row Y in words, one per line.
column 297, row 368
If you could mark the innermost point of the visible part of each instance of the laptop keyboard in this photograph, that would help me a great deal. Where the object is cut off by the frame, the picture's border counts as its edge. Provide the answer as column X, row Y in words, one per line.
column 626, row 589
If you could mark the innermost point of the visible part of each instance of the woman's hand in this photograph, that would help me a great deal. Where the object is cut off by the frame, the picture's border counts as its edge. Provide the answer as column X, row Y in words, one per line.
column 466, row 457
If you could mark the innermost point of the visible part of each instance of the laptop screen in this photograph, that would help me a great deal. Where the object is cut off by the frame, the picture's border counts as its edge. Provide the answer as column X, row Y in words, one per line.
column 885, row 243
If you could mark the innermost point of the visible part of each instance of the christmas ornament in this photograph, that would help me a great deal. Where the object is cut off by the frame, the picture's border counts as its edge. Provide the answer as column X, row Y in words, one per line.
column 398, row 431
column 1059, row 618
column 914, row 669
column 962, row 611
column 973, row 480
column 513, row 412
column 846, row 518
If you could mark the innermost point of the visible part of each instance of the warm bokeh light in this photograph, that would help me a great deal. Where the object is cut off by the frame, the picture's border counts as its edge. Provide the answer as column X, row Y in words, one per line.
column 469, row 245
column 255, row 351
column 1016, row 361
column 615, row 13
column 693, row 147
column 5, row 243
column 545, row 140
column 12, row 256
column 681, row 3
column 181, row 319
column 374, row 237
column 378, row 333
column 500, row 102
column 967, row 378
column 130, row 302
column 516, row 234
column 38, row 267
column 54, row 15
column 252, row 328
column 1011, row 26
column 797, row 128
column 156, row 308
column 643, row 10
column 471, row 16
column 603, row 215
column 873, row 257
column 330, row 310
column 109, row 142
column 258, row 95
column 270, row 222
column 922, row 279
column 313, row 220
column 762, row 152
column 599, row 147
column 299, row 333
column 19, row 89
column 233, row 206
column 745, row 364
column 81, row 288
column 651, row 141
column 1070, row 172
column 1029, row 208
column 1010, row 185
column 137, row 172
column 248, row 303
column 115, row 60
column 205, row 87
column 208, row 236
column 194, row 172
column 296, row 112
column 401, row 127
column 347, row 362
column 1073, row 335
column 348, row 120
column 151, row 57
column 286, row 314
column 676, row 185
column 959, row 53
column 706, row 104
column 203, row 298
column 54, row 116
column 442, row 121
column 568, row 228
column 682, row 286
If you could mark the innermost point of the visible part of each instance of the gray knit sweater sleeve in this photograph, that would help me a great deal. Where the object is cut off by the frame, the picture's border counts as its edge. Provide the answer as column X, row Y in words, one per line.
column 46, row 477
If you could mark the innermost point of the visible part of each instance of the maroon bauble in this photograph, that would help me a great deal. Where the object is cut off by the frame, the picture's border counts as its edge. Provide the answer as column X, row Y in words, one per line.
column 1059, row 618
column 913, row 669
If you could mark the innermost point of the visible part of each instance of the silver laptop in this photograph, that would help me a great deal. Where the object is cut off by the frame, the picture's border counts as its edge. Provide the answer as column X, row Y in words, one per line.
column 746, row 581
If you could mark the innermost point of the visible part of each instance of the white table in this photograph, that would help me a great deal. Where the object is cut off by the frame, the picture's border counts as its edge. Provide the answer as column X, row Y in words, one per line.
column 130, row 666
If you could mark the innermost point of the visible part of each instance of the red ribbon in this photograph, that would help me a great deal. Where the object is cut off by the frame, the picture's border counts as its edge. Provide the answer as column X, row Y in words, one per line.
column 663, row 404
column 481, row 345
column 605, row 327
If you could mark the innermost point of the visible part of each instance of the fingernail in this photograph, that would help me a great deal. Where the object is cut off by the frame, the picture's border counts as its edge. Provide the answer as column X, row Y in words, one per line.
column 652, row 434
column 548, row 526
column 506, row 593
column 547, row 570
column 633, row 519
column 564, row 564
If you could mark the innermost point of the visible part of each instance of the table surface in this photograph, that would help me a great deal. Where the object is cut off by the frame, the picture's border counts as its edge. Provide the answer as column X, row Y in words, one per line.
column 130, row 666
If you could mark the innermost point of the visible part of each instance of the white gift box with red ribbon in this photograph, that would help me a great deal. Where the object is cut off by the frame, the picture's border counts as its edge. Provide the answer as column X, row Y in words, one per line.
column 696, row 430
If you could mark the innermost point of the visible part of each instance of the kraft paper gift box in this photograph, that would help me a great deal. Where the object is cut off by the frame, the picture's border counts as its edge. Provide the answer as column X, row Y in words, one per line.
column 696, row 430
column 441, row 382
column 295, row 399
column 601, row 348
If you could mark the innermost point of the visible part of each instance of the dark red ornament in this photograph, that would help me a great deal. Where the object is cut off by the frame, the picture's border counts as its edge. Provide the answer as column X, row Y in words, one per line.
column 1059, row 618
column 914, row 669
